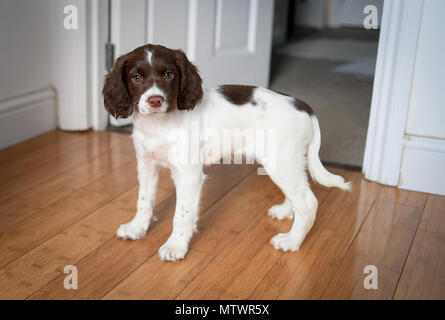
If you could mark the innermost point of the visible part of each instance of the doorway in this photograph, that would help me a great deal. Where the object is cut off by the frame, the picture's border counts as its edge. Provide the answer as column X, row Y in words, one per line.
column 324, row 56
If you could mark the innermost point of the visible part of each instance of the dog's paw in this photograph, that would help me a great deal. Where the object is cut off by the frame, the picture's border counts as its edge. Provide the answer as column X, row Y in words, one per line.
column 286, row 242
column 173, row 250
column 281, row 211
column 131, row 231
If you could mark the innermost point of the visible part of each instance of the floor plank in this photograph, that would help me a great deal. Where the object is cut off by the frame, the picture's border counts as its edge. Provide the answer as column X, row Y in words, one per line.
column 403, row 197
column 37, row 149
column 60, row 159
column 22, row 237
column 383, row 241
column 423, row 276
column 58, row 189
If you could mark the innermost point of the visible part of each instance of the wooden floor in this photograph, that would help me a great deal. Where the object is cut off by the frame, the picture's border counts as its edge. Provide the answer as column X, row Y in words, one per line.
column 63, row 195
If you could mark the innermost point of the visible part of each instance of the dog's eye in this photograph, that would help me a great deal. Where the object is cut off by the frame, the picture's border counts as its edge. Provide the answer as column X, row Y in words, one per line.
column 168, row 75
column 137, row 77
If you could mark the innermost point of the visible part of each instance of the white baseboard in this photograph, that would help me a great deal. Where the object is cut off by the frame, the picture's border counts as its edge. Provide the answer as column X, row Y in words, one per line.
column 27, row 116
column 423, row 165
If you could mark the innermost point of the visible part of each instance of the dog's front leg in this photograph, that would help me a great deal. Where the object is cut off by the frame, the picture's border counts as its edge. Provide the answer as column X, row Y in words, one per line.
column 148, row 176
column 188, row 182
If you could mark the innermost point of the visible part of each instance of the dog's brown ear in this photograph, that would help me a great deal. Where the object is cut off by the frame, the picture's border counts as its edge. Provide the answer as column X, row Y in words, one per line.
column 116, row 97
column 190, row 89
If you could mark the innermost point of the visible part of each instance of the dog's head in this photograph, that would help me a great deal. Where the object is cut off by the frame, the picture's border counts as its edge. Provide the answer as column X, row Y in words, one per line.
column 151, row 79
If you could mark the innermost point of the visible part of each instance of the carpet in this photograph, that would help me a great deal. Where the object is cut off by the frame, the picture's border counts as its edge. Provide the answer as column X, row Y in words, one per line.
column 334, row 75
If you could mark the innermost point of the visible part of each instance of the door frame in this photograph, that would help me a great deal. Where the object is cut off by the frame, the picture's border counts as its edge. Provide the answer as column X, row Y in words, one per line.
column 392, row 90
column 79, row 98
column 98, row 27
column 116, row 16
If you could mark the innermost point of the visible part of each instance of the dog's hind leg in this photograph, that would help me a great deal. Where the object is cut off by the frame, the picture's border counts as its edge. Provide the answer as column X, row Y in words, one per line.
column 281, row 211
column 291, row 177
column 305, row 208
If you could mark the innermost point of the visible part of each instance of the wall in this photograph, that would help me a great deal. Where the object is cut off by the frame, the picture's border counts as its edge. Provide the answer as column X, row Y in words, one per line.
column 27, row 102
column 310, row 13
column 281, row 9
column 349, row 13
column 333, row 13
column 24, row 34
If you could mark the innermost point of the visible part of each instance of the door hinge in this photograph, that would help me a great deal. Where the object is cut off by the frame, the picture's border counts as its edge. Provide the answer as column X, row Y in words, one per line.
column 109, row 55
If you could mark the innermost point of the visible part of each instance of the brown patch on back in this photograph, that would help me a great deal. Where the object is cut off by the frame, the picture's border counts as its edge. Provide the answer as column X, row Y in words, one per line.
column 298, row 104
column 303, row 106
column 237, row 94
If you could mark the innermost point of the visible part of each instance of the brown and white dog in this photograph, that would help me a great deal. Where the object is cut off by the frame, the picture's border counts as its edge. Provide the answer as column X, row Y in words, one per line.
column 163, row 92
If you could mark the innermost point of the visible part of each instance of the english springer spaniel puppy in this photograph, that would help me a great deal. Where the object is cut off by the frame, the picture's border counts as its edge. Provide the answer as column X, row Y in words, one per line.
column 162, row 90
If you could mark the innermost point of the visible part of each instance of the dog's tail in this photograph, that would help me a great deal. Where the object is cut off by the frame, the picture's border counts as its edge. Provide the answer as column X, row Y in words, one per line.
column 316, row 169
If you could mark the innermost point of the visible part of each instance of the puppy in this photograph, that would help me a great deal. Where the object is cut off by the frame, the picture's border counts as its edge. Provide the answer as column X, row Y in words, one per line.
column 163, row 91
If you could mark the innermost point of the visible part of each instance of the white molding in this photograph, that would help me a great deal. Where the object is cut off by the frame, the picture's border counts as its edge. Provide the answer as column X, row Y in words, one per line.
column 423, row 166
column 97, row 34
column 25, row 100
column 218, row 21
column 116, row 22
column 150, row 21
column 425, row 144
column 26, row 116
column 116, row 39
column 192, row 29
column 253, row 21
column 392, row 87
column 69, row 67
column 93, row 61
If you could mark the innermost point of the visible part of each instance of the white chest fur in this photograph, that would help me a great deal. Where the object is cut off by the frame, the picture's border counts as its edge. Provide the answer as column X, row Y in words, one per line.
column 166, row 138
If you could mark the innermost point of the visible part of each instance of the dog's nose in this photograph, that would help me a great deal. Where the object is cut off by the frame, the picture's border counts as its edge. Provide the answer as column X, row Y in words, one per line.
column 155, row 101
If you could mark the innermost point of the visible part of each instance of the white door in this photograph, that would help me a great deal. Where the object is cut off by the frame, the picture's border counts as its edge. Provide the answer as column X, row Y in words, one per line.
column 229, row 40
column 233, row 41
